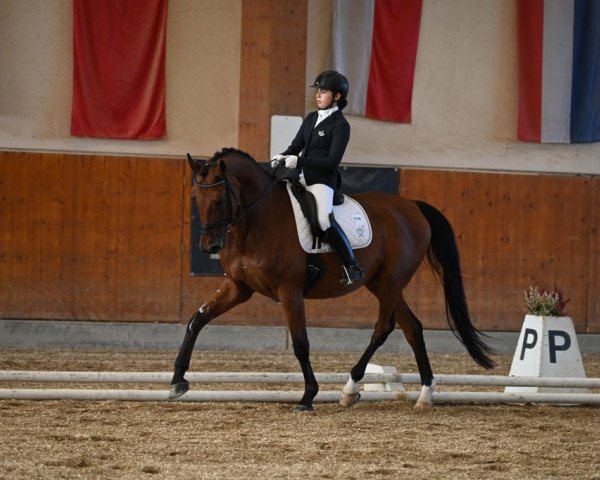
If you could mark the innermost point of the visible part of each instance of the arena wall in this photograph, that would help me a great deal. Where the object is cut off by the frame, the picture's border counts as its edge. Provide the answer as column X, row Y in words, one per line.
column 98, row 229
column 107, row 238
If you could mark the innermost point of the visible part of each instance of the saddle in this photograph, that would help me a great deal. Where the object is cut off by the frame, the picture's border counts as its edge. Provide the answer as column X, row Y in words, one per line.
column 308, row 206
column 349, row 214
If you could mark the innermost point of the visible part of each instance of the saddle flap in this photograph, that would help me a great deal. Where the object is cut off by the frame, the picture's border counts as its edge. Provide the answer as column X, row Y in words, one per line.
column 308, row 205
column 350, row 215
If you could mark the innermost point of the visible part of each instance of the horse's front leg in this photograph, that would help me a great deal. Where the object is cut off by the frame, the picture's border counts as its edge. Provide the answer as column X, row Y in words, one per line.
column 293, row 305
column 225, row 298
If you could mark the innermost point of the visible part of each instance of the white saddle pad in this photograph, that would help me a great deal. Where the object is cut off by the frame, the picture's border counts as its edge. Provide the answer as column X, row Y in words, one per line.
column 350, row 215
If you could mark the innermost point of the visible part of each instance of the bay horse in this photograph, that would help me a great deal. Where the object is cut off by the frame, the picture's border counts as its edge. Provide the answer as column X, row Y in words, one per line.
column 248, row 220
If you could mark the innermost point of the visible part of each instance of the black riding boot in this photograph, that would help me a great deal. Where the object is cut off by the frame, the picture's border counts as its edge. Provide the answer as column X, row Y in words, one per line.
column 338, row 240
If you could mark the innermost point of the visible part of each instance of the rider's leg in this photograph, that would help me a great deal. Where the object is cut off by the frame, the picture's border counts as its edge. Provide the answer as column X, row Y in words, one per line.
column 338, row 240
column 335, row 235
column 324, row 199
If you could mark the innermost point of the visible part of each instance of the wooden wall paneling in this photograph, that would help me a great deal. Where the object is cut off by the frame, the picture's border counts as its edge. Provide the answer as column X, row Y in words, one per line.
column 593, row 288
column 90, row 237
column 513, row 231
column 272, row 70
column 98, row 238
column 287, row 87
column 33, row 212
column 255, row 75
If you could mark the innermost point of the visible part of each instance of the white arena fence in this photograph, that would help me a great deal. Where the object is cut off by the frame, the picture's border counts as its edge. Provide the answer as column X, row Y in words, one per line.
column 383, row 380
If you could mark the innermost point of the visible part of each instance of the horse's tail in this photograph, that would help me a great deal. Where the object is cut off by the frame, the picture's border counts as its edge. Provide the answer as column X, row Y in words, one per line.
column 444, row 259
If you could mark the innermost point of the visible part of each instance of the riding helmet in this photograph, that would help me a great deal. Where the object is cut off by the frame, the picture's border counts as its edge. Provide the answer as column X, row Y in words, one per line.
column 336, row 82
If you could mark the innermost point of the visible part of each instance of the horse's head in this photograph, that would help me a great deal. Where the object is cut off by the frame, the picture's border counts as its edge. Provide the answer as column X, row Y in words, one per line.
column 217, row 199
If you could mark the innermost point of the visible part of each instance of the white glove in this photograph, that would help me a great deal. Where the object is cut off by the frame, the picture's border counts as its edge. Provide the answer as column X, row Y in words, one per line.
column 291, row 161
column 277, row 160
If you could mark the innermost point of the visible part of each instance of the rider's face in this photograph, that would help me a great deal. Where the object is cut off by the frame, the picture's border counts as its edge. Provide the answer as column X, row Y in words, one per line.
column 324, row 98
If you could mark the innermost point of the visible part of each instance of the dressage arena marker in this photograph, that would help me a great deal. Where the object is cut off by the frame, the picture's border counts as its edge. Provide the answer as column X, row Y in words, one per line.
column 383, row 379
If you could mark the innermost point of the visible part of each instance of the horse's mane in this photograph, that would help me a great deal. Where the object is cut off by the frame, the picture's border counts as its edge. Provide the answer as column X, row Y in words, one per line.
column 239, row 154
column 227, row 150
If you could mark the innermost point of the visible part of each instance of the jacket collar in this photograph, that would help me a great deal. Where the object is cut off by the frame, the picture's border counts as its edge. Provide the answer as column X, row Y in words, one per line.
column 334, row 116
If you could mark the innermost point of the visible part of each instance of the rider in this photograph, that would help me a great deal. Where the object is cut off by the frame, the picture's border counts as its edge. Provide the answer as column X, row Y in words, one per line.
column 317, row 151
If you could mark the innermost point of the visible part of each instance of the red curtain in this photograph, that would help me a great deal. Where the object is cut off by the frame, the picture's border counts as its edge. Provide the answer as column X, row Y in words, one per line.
column 530, row 28
column 119, row 68
column 396, row 28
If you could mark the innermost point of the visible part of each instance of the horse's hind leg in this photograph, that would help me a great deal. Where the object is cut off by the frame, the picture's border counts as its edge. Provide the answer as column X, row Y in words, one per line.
column 225, row 298
column 383, row 328
column 413, row 332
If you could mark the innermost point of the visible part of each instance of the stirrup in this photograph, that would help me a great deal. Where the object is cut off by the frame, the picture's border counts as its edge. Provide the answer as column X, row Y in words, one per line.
column 349, row 279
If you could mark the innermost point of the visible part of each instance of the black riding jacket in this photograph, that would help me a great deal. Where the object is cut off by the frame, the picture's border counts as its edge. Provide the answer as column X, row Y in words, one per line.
column 323, row 147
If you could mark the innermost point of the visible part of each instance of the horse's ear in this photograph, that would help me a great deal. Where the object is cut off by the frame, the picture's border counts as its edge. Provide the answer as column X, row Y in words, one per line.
column 195, row 165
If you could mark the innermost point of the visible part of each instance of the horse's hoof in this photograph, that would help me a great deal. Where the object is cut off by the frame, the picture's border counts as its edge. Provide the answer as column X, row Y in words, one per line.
column 303, row 409
column 178, row 389
column 422, row 406
column 349, row 399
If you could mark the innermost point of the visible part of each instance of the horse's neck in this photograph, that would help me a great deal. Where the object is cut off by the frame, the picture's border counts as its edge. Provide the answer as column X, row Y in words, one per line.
column 261, row 203
column 254, row 183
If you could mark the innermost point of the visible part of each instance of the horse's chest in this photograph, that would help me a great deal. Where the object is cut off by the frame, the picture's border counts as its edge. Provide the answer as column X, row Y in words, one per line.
column 243, row 270
column 247, row 271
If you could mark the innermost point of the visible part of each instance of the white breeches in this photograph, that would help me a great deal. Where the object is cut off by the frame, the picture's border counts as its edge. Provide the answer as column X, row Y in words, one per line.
column 324, row 198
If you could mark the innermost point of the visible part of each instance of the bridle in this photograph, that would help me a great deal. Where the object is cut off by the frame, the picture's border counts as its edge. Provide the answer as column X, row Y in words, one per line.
column 229, row 220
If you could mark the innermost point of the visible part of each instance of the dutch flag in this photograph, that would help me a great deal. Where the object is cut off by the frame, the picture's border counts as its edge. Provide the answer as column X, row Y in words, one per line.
column 559, row 70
